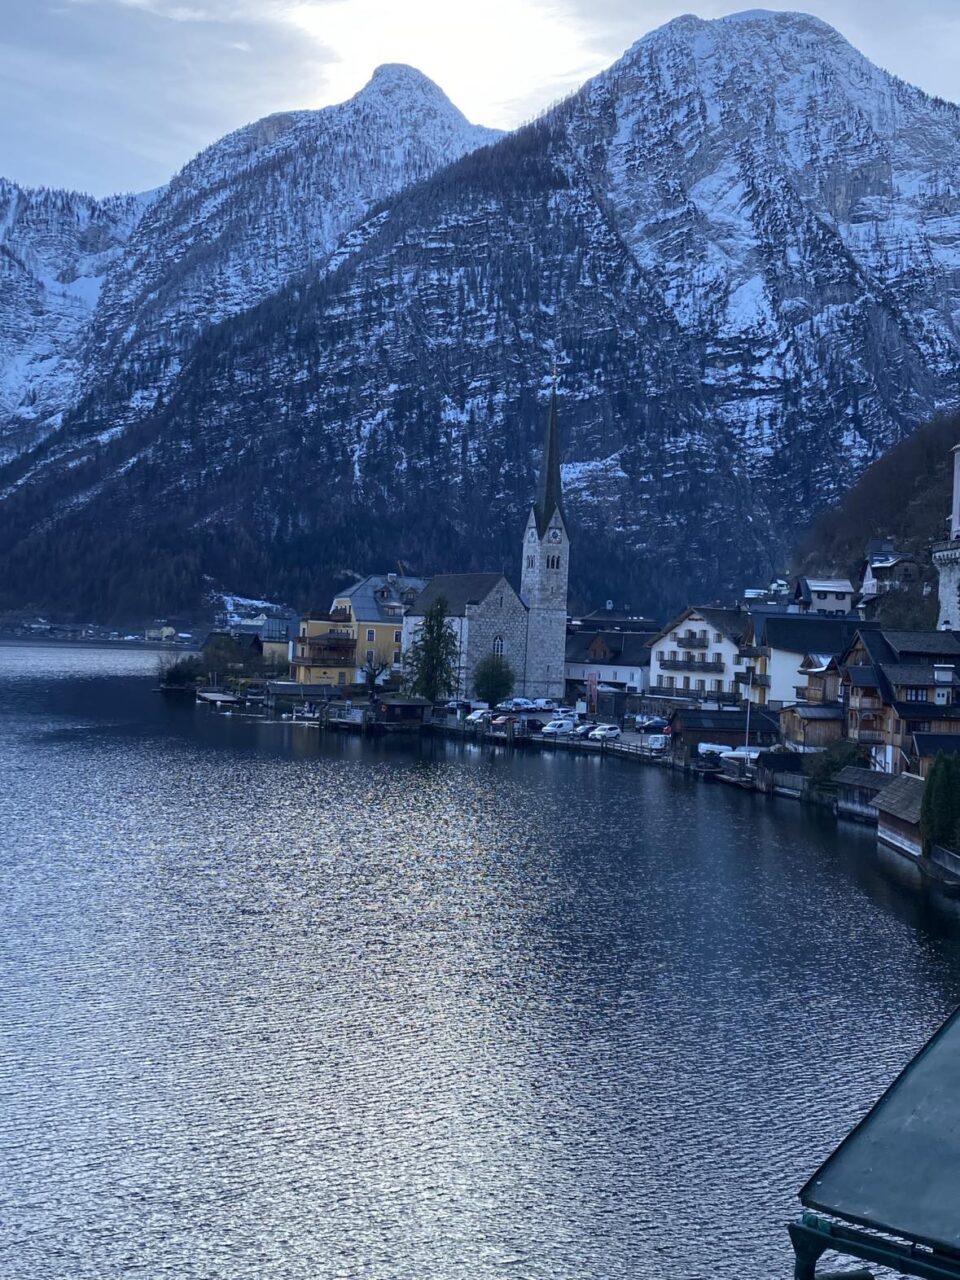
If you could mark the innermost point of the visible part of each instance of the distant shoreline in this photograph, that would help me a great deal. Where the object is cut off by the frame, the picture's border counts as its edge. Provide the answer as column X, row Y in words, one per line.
column 58, row 642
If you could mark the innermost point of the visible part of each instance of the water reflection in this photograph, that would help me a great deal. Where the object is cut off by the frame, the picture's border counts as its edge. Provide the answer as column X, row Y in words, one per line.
column 275, row 1004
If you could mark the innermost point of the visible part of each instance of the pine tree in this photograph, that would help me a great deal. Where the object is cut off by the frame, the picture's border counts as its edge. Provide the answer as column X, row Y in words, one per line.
column 940, row 809
column 493, row 679
column 432, row 660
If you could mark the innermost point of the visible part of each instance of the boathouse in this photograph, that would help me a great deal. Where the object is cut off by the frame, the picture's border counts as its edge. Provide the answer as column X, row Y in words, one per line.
column 898, row 815
column 857, row 789
column 689, row 726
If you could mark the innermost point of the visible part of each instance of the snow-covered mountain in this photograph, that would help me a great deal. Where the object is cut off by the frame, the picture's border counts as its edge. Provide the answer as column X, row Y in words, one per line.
column 55, row 249
column 742, row 242
column 117, row 288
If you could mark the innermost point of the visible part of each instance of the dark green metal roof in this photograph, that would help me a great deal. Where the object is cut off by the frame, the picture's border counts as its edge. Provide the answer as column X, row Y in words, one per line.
column 898, row 1171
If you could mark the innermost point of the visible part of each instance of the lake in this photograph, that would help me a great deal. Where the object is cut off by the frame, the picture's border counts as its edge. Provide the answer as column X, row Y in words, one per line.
column 275, row 1004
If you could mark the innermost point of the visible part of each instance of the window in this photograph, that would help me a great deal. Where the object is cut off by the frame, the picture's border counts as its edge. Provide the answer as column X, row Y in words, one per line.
column 669, row 682
column 686, row 682
column 822, row 595
column 341, row 677
column 398, row 637
column 371, row 634
column 396, row 657
column 370, row 655
column 498, row 646
column 718, row 686
column 839, row 594
column 717, row 638
column 529, row 562
column 917, row 695
column 701, row 686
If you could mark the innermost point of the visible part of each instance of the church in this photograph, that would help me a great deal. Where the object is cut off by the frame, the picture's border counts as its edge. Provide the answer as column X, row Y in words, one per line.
column 487, row 615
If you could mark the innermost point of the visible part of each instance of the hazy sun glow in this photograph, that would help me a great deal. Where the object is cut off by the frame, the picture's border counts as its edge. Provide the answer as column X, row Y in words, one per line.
column 481, row 64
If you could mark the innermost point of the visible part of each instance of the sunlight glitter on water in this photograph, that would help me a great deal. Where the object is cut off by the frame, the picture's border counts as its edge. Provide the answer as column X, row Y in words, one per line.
column 280, row 1007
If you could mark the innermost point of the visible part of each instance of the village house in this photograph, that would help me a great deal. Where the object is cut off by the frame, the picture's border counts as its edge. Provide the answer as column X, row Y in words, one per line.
column 897, row 684
column 811, row 728
column 789, row 646
column 325, row 650
column 374, row 608
column 608, row 661
column 698, row 655
column 833, row 595
column 886, row 569
column 925, row 748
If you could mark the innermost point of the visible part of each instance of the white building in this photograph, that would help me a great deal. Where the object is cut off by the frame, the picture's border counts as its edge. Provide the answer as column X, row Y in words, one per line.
column 698, row 656
column 946, row 557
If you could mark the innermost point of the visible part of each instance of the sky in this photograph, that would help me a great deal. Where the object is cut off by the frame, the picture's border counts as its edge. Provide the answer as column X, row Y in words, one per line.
column 116, row 95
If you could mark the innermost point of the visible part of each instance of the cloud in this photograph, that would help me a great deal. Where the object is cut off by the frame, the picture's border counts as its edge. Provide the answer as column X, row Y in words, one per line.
column 118, row 94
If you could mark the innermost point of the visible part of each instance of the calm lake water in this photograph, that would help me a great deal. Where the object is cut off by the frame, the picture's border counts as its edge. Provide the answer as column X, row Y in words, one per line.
column 278, row 1006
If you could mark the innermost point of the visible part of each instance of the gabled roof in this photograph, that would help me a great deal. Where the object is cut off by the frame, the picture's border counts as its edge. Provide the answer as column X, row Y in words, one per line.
column 459, row 590
column 627, row 648
column 807, row 711
column 902, row 798
column 364, row 596
column 550, row 487
column 915, row 673
column 931, row 744
column 731, row 623
column 843, row 585
column 732, row 721
column 799, row 633
column 866, row 779
column 945, row 644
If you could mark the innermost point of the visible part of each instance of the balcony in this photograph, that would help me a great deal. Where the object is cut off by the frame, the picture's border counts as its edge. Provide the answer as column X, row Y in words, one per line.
column 329, row 650
column 715, row 667
column 690, row 640
column 759, row 681
column 865, row 701
column 870, row 737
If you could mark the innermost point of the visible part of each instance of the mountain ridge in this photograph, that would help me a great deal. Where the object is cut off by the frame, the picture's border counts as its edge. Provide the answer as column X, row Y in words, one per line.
column 740, row 241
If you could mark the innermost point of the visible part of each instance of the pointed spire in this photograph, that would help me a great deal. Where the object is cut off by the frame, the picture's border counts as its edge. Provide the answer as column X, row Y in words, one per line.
column 550, row 487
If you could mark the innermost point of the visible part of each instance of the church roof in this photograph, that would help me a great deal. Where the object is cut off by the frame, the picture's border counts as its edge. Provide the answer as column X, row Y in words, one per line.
column 550, row 486
column 457, row 589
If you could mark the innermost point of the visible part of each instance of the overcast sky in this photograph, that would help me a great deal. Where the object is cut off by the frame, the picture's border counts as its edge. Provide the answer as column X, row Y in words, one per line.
column 115, row 95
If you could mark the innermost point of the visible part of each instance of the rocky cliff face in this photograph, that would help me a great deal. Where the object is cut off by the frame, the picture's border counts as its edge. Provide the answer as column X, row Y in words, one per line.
column 56, row 247
column 741, row 242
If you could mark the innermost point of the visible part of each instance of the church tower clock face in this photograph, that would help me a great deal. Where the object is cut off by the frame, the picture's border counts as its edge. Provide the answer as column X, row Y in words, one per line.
column 554, row 535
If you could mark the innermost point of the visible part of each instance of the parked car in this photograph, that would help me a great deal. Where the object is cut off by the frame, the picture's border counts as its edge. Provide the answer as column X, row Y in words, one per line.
column 531, row 724
column 545, row 704
column 567, row 713
column 558, row 729
column 650, row 724
column 582, row 730
column 501, row 722
column 478, row 717
column 516, row 704
column 605, row 733
column 658, row 742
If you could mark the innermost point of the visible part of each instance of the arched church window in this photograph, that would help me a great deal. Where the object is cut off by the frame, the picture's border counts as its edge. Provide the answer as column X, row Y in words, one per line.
column 498, row 646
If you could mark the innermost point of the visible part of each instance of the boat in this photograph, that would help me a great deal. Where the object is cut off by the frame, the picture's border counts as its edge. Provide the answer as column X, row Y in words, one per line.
column 217, row 697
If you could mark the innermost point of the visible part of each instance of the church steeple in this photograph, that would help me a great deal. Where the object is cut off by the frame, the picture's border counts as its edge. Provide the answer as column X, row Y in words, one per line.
column 550, row 486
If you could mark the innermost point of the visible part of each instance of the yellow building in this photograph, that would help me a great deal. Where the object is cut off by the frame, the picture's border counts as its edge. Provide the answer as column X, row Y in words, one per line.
column 325, row 650
column 375, row 607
